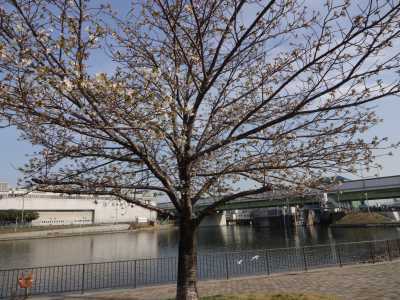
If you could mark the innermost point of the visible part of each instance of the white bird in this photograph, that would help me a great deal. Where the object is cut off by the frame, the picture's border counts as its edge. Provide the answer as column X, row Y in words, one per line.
column 239, row 262
column 255, row 257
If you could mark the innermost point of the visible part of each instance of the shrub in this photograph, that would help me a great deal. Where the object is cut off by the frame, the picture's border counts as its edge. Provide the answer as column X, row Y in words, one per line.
column 13, row 215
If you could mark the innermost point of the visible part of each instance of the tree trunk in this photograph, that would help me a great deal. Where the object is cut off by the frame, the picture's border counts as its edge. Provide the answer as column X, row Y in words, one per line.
column 186, row 288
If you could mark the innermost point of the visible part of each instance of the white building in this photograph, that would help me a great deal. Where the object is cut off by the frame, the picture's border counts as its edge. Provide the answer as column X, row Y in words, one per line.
column 62, row 209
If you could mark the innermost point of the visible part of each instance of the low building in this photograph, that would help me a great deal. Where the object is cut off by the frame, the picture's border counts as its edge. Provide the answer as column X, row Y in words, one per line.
column 239, row 214
column 63, row 209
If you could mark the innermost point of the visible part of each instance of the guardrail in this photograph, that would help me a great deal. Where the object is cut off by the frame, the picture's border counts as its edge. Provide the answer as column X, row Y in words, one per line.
column 222, row 265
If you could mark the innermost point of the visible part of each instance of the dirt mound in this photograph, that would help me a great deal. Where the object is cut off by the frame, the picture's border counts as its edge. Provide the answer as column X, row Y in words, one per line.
column 364, row 218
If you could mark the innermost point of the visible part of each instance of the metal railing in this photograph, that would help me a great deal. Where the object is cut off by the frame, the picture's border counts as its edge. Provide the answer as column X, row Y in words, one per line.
column 222, row 265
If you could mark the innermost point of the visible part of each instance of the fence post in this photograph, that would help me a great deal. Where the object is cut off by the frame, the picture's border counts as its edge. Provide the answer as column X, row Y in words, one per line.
column 304, row 258
column 267, row 262
column 226, row 266
column 398, row 247
column 134, row 275
column 388, row 250
column 83, row 279
column 338, row 255
column 372, row 251
column 16, row 285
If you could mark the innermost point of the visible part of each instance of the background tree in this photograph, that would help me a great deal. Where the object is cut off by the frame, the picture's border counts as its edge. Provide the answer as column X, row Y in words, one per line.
column 12, row 216
column 191, row 98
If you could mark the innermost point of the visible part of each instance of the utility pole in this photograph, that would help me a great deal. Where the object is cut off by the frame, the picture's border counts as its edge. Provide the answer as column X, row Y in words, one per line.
column 23, row 207
column 366, row 203
column 116, row 211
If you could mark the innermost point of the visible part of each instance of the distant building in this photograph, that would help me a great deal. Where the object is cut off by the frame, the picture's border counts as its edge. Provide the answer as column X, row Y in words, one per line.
column 63, row 209
column 239, row 214
column 3, row 187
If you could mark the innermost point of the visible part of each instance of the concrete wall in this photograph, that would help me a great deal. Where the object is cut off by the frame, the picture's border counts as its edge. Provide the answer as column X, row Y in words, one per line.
column 57, row 209
column 63, row 218
column 394, row 215
column 218, row 219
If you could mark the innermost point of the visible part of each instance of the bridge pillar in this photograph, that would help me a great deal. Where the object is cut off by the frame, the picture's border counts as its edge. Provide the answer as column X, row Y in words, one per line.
column 218, row 219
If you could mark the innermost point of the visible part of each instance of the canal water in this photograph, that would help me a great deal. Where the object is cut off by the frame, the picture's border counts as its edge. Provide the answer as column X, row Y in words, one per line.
column 146, row 244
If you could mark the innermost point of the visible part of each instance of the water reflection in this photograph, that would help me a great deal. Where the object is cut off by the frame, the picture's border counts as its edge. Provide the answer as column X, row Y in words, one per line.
column 121, row 246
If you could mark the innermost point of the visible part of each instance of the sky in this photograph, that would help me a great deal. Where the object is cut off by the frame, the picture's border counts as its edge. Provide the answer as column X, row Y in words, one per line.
column 13, row 152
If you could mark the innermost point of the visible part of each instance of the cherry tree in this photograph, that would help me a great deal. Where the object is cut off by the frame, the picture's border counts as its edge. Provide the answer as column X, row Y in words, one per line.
column 194, row 98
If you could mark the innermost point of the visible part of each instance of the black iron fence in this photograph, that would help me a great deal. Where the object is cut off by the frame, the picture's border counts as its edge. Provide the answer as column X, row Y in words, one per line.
column 222, row 265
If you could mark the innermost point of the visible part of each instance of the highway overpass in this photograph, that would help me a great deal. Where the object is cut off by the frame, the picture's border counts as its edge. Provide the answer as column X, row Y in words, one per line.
column 349, row 191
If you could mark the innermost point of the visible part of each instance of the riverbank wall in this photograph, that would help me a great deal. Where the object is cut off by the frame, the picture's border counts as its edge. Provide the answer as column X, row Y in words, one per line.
column 78, row 231
column 392, row 224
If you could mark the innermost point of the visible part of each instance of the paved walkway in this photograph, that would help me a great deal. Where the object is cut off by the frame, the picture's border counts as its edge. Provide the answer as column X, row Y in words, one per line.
column 363, row 282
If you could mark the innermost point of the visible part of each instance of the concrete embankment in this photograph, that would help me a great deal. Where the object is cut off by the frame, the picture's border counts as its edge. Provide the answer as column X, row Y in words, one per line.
column 392, row 224
column 77, row 231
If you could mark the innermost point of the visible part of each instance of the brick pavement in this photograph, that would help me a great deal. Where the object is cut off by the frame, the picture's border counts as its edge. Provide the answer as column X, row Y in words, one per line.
column 363, row 282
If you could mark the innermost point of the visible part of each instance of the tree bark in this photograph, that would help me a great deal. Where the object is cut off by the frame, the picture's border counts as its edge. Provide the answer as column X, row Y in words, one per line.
column 186, row 288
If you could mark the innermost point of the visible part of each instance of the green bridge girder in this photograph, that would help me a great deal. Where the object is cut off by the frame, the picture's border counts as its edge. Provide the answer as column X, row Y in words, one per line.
column 345, row 196
column 340, row 196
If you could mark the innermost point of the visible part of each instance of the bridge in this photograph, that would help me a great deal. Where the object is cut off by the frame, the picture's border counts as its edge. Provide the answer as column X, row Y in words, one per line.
column 377, row 188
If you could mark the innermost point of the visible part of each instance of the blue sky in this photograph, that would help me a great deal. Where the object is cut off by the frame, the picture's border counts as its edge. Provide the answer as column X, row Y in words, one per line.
column 13, row 152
